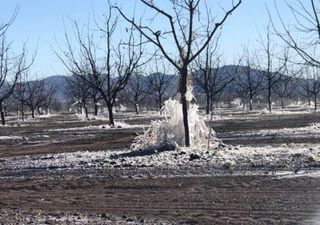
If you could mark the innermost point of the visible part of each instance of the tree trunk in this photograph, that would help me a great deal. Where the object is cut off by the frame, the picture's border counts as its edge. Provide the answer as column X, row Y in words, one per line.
column 282, row 103
column 79, row 108
column 160, row 103
column 269, row 99
column 315, row 102
column 86, row 111
column 250, row 104
column 110, row 112
column 32, row 112
column 183, row 90
column 22, row 111
column 136, row 107
column 96, row 109
column 2, row 115
column 207, row 104
column 309, row 102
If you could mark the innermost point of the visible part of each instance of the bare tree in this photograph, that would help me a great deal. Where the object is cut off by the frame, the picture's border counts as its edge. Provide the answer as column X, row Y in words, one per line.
column 36, row 94
column 304, row 86
column 78, row 92
column 11, row 67
column 311, row 84
column 307, row 24
column 95, row 97
column 50, row 98
column 160, row 83
column 272, row 66
column 307, row 42
column 211, row 79
column 286, row 86
column 136, row 91
column 188, row 35
column 248, row 80
column 109, row 74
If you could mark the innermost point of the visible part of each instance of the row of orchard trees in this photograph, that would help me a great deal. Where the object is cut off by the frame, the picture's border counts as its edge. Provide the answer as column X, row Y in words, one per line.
column 106, row 58
column 15, row 85
column 187, row 42
column 142, row 90
column 293, row 69
column 108, row 70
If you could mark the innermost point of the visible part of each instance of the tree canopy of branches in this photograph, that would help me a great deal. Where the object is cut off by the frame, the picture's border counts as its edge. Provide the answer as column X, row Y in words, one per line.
column 189, row 34
column 288, row 83
column 307, row 25
column 248, row 80
column 109, row 71
column 310, row 85
column 210, row 77
column 36, row 94
column 136, row 90
column 160, row 83
column 78, row 92
column 272, row 66
column 11, row 66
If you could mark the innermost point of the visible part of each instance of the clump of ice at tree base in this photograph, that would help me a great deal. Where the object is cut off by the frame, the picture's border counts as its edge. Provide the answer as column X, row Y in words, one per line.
column 168, row 134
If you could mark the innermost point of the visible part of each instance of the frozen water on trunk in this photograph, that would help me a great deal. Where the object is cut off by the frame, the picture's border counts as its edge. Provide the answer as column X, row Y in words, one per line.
column 169, row 133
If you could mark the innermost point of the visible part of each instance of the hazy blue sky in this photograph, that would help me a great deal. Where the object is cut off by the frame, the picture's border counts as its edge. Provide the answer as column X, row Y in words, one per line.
column 40, row 22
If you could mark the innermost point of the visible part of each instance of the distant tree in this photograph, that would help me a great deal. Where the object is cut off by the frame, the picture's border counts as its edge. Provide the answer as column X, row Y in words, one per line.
column 287, row 85
column 77, row 90
column 304, row 86
column 211, row 79
column 189, row 37
column 310, row 85
column 136, row 91
column 95, row 97
column 50, row 98
column 271, row 64
column 36, row 94
column 248, row 80
column 160, row 83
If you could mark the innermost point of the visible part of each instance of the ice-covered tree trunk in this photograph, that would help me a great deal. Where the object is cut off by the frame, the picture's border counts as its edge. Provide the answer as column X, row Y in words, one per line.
column 250, row 104
column 136, row 108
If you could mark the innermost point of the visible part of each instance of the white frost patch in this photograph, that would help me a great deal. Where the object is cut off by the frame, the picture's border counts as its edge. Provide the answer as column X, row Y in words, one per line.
column 78, row 128
column 305, row 131
column 118, row 125
column 6, row 138
column 92, row 117
column 49, row 115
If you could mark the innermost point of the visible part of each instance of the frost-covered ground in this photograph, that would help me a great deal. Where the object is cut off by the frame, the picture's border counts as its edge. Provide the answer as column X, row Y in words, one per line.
column 312, row 130
column 293, row 159
column 70, row 149
column 225, row 159
column 40, row 217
